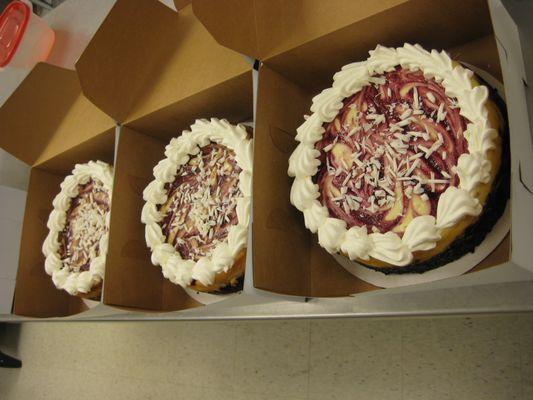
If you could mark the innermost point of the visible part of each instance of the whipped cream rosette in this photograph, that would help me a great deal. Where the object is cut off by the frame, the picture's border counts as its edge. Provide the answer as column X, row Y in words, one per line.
column 397, row 159
column 198, row 207
column 76, row 245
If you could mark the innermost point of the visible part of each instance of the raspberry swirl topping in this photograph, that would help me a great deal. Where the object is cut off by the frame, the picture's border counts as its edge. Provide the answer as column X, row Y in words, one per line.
column 390, row 152
column 85, row 226
column 198, row 205
column 202, row 202
column 76, row 245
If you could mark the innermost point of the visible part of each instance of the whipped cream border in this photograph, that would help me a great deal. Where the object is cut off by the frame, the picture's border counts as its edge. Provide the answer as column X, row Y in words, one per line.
column 76, row 282
column 423, row 232
column 177, row 152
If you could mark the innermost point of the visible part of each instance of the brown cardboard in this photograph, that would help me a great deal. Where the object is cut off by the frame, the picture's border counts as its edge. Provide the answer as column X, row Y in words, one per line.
column 306, row 40
column 499, row 255
column 299, row 60
column 482, row 53
column 42, row 117
column 126, row 53
column 179, row 4
column 155, row 71
column 231, row 100
column 147, row 61
column 266, row 28
column 287, row 257
column 35, row 293
column 100, row 147
column 50, row 125
column 131, row 280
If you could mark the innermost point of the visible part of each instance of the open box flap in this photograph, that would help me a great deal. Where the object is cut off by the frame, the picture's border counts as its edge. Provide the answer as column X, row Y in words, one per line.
column 264, row 28
column 270, row 28
column 130, row 71
column 510, row 27
column 42, row 117
column 166, row 122
column 180, row 4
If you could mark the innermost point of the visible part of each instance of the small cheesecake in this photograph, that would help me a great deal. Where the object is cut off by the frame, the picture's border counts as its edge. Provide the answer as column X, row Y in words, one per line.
column 76, row 245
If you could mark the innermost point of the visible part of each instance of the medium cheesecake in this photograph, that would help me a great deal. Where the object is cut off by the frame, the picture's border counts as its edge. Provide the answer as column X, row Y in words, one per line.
column 198, row 207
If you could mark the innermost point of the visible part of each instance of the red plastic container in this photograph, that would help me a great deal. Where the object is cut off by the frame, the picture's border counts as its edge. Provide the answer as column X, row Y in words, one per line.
column 25, row 39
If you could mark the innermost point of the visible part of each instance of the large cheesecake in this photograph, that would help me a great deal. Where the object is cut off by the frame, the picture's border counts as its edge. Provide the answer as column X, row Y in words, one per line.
column 400, row 160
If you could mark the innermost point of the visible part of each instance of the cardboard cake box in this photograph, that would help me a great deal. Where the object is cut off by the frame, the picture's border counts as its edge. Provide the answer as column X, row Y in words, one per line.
column 155, row 71
column 301, row 46
column 41, row 126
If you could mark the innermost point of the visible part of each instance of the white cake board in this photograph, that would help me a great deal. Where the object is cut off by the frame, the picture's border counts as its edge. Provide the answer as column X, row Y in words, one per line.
column 455, row 268
column 90, row 303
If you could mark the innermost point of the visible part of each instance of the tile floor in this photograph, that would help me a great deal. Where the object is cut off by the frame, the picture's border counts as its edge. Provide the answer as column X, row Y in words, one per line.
column 459, row 358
